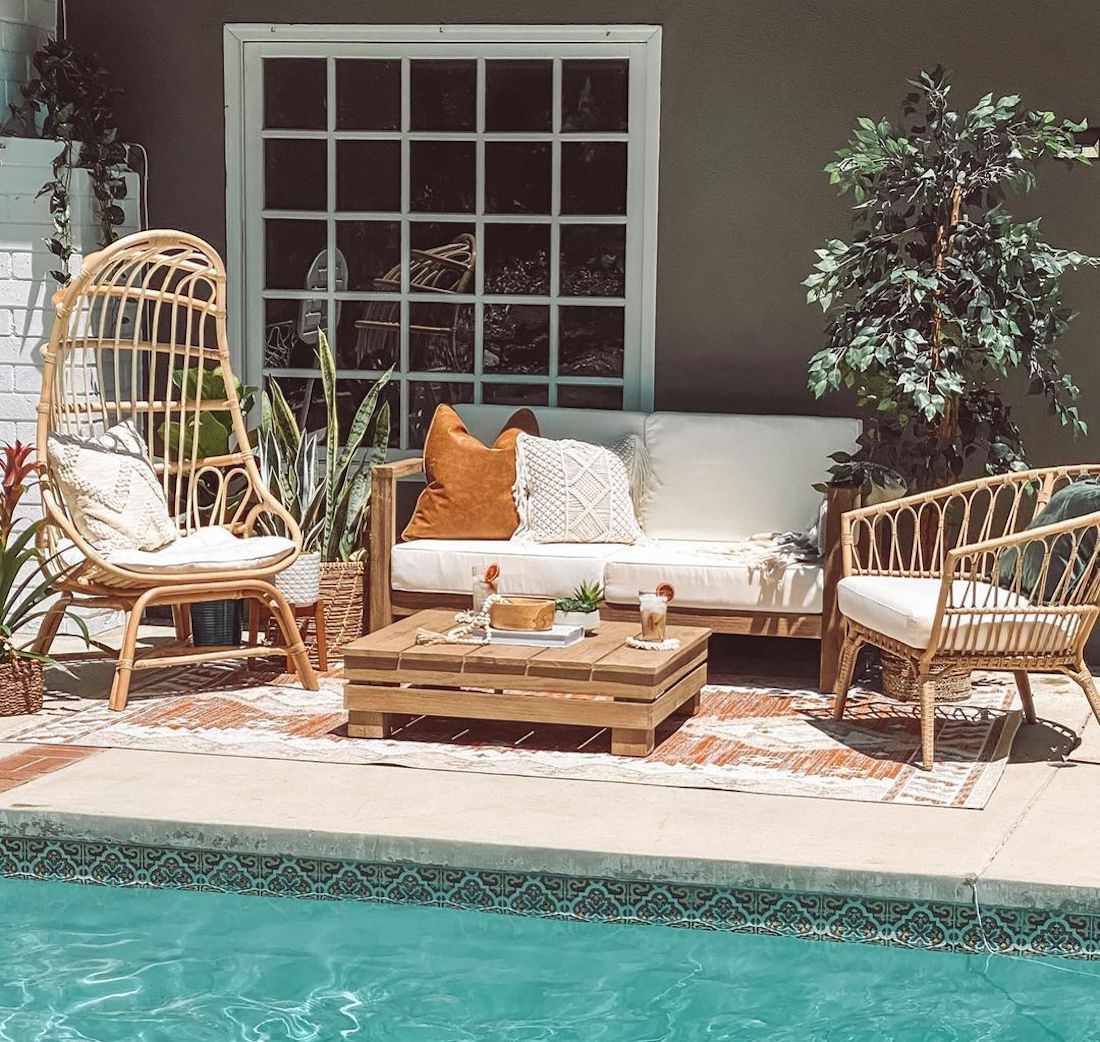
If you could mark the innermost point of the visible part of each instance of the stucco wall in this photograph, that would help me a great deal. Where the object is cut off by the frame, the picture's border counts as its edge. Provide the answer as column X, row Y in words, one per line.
column 755, row 97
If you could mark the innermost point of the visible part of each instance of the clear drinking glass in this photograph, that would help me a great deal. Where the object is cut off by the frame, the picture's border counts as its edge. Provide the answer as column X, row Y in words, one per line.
column 654, row 612
column 481, row 588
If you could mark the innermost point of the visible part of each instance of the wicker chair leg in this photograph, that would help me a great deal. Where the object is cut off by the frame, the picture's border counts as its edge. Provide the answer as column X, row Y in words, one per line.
column 1023, row 685
column 181, row 618
column 849, row 652
column 292, row 638
column 124, row 668
column 51, row 623
column 1088, row 685
column 927, row 721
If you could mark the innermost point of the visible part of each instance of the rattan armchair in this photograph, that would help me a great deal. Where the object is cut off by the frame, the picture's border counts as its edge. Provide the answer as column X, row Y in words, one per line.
column 132, row 333
column 938, row 580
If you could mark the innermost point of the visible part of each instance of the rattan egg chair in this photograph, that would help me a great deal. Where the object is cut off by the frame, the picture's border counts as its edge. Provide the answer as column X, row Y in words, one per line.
column 131, row 335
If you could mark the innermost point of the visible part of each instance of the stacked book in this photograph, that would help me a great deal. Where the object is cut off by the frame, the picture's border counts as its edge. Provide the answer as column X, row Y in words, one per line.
column 555, row 637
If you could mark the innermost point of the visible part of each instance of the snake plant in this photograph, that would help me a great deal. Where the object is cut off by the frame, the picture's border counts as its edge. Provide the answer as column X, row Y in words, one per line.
column 324, row 486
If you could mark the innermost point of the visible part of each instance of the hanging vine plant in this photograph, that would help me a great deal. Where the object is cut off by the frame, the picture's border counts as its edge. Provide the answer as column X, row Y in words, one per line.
column 71, row 100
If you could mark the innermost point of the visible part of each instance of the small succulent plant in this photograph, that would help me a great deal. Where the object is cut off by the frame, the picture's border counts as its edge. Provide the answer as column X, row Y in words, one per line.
column 585, row 598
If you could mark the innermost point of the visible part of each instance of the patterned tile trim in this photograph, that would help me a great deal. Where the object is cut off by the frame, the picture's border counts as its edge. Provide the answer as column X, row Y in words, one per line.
column 931, row 925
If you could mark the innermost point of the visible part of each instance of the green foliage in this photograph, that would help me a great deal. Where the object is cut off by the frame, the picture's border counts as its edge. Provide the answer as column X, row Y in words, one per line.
column 327, row 498
column 24, row 585
column 940, row 294
column 70, row 99
column 215, row 428
column 586, row 597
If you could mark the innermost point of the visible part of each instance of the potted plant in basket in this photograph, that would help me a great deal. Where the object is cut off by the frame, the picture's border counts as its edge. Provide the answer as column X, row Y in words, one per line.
column 325, row 486
column 23, row 590
column 941, row 293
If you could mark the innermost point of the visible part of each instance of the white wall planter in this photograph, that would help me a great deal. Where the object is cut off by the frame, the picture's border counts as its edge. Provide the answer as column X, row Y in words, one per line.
column 301, row 582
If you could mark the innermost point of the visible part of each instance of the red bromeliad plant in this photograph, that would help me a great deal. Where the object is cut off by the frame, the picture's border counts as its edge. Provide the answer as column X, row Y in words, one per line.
column 24, row 586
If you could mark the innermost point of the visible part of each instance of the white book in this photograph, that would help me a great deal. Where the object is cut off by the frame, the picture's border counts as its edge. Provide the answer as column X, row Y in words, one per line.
column 555, row 637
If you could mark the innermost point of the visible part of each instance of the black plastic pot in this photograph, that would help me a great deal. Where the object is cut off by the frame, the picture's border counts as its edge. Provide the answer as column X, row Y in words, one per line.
column 216, row 623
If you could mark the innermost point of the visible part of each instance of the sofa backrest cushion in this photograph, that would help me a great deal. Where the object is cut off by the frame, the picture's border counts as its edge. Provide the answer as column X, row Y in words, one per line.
column 604, row 427
column 731, row 476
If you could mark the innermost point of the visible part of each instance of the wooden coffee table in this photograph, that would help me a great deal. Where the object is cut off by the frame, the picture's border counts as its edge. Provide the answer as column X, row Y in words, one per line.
column 599, row 682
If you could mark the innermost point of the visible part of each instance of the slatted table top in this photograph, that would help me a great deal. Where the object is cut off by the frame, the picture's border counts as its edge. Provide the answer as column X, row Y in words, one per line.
column 604, row 657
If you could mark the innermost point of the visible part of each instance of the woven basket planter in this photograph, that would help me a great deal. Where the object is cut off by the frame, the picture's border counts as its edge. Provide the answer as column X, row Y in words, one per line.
column 899, row 681
column 301, row 582
column 343, row 589
column 20, row 687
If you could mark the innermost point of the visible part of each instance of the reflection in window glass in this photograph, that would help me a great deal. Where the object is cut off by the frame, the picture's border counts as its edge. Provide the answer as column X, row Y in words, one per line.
column 593, row 260
column 368, row 334
column 594, row 94
column 441, row 337
column 517, row 94
column 373, row 253
column 368, row 94
column 290, row 332
column 423, row 399
column 295, row 174
column 593, row 177
column 444, row 95
column 590, row 341
column 577, row 396
column 515, row 394
column 296, row 254
column 306, row 397
column 517, row 177
column 517, row 259
column 516, row 338
column 442, row 177
column 368, row 175
column 443, row 257
column 295, row 95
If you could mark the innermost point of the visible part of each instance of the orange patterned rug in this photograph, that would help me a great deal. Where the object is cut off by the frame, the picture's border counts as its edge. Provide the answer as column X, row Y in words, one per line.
column 752, row 737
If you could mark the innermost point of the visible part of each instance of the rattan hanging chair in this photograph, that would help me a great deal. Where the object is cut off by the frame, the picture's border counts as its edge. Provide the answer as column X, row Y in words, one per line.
column 131, row 336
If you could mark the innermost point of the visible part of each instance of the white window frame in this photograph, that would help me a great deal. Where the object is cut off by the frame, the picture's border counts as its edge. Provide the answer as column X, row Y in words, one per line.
column 246, row 45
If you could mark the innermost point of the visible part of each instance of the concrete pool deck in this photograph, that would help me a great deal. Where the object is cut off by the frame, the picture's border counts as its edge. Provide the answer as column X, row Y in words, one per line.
column 1034, row 845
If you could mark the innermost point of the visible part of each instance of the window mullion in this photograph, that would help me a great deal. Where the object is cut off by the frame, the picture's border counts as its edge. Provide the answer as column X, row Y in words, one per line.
column 555, row 228
column 406, row 244
column 479, row 231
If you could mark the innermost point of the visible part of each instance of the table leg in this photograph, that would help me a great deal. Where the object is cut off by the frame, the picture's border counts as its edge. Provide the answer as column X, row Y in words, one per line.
column 630, row 741
column 365, row 724
column 691, row 706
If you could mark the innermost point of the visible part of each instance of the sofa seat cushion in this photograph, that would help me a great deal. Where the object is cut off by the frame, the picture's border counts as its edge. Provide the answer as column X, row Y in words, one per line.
column 446, row 565
column 206, row 550
column 725, row 576
column 905, row 608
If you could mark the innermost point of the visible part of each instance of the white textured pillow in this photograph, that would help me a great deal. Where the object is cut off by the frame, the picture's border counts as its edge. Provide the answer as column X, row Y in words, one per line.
column 572, row 492
column 111, row 491
column 635, row 456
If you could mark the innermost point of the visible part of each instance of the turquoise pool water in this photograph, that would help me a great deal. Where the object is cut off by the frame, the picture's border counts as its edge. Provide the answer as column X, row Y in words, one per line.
column 97, row 964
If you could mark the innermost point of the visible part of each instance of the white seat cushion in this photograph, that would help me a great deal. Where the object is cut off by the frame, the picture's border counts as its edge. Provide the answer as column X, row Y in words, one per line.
column 206, row 550
column 905, row 608
column 547, row 569
column 730, row 576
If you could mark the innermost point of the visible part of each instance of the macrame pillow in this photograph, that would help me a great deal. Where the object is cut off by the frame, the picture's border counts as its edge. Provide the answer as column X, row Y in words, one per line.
column 572, row 492
column 110, row 489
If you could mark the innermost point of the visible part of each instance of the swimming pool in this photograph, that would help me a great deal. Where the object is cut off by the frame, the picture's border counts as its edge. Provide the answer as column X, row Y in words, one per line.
column 102, row 964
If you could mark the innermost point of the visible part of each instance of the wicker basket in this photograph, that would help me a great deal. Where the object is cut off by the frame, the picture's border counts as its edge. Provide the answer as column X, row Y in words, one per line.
column 342, row 589
column 20, row 687
column 899, row 681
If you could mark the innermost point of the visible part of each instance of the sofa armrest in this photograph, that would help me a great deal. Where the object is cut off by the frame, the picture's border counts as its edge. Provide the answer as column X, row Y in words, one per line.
column 839, row 500
column 383, row 537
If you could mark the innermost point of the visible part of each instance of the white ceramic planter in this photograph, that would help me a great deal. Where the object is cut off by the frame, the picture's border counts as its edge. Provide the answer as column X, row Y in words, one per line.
column 301, row 582
column 590, row 620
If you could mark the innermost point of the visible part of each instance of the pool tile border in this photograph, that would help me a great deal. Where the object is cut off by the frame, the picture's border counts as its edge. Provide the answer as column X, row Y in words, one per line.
column 932, row 925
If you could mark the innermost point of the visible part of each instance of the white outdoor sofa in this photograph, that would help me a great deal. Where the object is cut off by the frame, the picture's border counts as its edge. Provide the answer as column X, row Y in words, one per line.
column 712, row 481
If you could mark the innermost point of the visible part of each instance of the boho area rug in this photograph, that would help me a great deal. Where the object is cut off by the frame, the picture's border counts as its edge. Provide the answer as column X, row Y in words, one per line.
column 749, row 738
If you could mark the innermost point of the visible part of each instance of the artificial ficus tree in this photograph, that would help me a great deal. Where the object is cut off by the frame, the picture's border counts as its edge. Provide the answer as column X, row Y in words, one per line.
column 940, row 293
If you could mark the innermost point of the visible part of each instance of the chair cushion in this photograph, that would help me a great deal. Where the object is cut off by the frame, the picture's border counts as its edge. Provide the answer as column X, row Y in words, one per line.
column 904, row 608
column 206, row 550
column 109, row 487
column 728, row 477
column 469, row 490
column 729, row 576
column 548, row 570
column 572, row 492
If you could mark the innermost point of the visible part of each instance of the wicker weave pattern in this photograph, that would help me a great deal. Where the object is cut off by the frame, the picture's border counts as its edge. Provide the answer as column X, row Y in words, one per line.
column 342, row 585
column 961, row 535
column 20, row 687
column 133, row 336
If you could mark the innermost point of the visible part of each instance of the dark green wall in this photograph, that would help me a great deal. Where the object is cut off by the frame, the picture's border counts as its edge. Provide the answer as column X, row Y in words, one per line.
column 756, row 95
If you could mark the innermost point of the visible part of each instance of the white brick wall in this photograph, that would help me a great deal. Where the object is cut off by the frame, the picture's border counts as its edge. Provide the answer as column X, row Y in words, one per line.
column 24, row 26
column 25, row 287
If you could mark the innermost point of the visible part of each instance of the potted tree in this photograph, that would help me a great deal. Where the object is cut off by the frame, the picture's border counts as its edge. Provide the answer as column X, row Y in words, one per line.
column 940, row 293
column 324, row 484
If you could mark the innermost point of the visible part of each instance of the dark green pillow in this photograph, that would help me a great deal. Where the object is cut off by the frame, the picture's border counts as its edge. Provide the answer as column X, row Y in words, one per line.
column 1076, row 500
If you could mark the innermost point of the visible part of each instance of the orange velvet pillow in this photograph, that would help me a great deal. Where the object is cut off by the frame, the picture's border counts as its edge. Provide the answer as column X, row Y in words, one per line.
column 469, row 490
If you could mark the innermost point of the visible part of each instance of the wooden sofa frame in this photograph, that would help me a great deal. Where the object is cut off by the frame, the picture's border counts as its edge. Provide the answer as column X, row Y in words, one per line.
column 385, row 604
